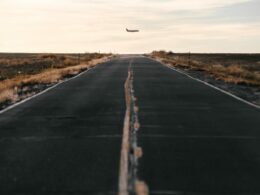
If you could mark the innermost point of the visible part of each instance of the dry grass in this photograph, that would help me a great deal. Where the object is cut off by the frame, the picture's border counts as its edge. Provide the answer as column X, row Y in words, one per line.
column 9, row 88
column 8, row 95
column 13, row 65
column 221, row 67
column 11, row 62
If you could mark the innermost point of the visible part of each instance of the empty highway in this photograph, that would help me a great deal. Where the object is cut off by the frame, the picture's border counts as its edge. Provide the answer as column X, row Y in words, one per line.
column 190, row 138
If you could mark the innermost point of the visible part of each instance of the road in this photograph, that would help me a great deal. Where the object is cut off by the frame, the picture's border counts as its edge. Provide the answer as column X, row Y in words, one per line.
column 194, row 139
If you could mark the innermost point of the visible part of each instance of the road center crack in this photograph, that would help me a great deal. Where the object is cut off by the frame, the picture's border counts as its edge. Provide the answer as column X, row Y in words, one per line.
column 129, row 182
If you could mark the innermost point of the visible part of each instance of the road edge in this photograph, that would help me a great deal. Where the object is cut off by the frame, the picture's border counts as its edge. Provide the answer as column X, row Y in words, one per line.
column 48, row 89
column 208, row 84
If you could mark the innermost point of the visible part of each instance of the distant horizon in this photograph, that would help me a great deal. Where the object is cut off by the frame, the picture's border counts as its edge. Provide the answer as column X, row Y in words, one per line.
column 126, row 53
column 2, row 52
column 77, row 26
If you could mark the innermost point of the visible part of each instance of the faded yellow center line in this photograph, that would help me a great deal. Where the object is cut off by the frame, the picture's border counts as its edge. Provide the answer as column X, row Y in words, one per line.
column 130, row 151
column 123, row 171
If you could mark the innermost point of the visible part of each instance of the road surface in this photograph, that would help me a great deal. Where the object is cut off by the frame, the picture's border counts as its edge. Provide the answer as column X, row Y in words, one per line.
column 194, row 139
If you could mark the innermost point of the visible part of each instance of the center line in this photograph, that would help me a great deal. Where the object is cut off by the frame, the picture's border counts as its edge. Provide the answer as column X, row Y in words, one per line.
column 130, row 151
column 123, row 171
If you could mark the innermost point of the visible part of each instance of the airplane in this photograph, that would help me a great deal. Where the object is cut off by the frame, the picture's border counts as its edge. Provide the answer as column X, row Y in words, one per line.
column 132, row 31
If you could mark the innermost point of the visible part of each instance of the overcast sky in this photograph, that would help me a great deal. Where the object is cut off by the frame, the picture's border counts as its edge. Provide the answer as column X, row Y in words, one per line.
column 99, row 25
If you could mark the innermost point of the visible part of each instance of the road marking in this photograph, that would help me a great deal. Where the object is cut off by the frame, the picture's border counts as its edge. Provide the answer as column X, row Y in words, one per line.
column 46, row 90
column 210, row 85
column 123, row 170
column 130, row 151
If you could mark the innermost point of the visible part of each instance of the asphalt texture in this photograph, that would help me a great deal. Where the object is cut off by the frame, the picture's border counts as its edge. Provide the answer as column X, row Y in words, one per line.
column 195, row 139
column 67, row 140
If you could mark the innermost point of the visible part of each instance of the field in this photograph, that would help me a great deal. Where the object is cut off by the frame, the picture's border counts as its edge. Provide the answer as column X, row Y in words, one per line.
column 13, row 65
column 237, row 73
column 231, row 68
column 22, row 75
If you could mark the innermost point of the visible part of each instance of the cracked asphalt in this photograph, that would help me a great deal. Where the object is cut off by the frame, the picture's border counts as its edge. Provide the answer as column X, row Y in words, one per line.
column 195, row 139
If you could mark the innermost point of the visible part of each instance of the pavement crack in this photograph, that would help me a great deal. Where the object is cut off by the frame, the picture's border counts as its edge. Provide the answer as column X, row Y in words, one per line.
column 123, row 170
column 129, row 182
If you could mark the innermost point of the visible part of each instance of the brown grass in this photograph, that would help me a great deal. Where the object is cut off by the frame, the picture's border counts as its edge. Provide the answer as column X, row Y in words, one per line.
column 230, row 72
column 13, row 65
column 9, row 87
column 14, row 61
column 49, row 56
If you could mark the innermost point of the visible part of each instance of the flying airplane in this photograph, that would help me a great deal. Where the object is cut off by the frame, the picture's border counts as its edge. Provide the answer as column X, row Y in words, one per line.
column 132, row 31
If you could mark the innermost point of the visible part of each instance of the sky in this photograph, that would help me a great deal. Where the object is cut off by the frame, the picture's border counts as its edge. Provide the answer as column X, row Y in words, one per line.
column 209, row 26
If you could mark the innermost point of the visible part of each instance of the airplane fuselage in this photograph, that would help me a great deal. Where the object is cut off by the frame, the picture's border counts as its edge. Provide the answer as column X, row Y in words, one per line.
column 127, row 30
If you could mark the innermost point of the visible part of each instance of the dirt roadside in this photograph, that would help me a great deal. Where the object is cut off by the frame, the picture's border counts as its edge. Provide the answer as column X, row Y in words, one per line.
column 17, row 89
column 249, row 93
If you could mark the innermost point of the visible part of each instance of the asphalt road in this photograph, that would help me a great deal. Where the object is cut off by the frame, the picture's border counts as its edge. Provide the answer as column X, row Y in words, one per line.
column 67, row 140
column 195, row 139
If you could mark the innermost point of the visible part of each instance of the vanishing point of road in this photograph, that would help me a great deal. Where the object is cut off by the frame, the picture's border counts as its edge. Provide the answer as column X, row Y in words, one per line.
column 185, row 137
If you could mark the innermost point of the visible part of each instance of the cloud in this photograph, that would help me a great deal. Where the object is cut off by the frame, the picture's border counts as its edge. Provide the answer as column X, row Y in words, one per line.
column 162, row 5
column 73, row 25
